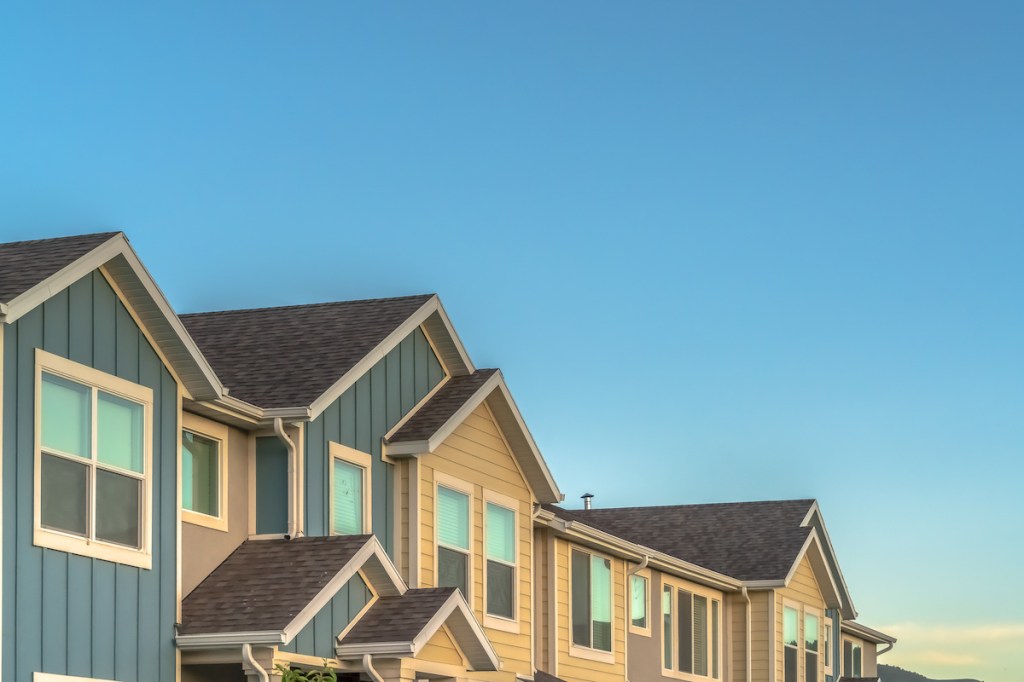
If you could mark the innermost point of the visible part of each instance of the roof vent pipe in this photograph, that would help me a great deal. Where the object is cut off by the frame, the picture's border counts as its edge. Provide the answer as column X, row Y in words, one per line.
column 587, row 500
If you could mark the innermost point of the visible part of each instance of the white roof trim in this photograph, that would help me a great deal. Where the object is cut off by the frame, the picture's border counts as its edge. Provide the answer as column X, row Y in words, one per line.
column 375, row 564
column 509, row 418
column 819, row 568
column 456, row 364
column 816, row 510
column 870, row 634
column 218, row 640
column 149, row 303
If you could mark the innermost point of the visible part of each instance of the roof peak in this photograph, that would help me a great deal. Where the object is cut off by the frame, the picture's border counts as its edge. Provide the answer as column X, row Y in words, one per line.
column 82, row 235
column 300, row 306
column 807, row 501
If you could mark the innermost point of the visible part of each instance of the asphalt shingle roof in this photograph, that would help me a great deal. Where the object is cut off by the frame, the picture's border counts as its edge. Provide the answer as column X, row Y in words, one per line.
column 264, row 584
column 289, row 356
column 442, row 405
column 25, row 264
column 541, row 676
column 398, row 619
column 743, row 540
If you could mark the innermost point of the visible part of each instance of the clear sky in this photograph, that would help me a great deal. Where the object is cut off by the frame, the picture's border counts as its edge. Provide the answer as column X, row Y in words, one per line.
column 722, row 251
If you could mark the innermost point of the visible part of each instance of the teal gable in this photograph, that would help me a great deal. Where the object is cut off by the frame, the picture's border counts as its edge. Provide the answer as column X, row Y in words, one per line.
column 359, row 419
column 63, row 613
column 320, row 635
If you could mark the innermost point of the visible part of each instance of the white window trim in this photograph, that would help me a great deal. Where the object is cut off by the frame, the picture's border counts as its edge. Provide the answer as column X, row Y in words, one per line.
column 801, row 640
column 711, row 596
column 365, row 462
column 208, row 428
column 854, row 644
column 491, row 620
column 820, row 614
column 826, row 629
column 74, row 544
column 588, row 652
column 644, row 574
column 442, row 480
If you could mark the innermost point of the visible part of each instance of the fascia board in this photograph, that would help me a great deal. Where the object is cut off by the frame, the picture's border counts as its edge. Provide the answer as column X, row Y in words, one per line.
column 217, row 640
column 815, row 509
column 356, row 651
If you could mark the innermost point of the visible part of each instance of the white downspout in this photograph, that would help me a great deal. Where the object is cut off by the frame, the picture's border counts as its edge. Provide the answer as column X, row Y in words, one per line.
column 886, row 649
column 250, row 661
column 292, row 476
column 370, row 670
column 639, row 567
column 746, row 598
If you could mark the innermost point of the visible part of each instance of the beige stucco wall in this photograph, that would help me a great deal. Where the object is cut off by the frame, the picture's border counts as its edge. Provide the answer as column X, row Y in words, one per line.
column 202, row 548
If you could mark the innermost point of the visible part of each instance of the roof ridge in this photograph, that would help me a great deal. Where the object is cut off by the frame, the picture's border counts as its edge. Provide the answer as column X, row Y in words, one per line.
column 808, row 501
column 82, row 235
column 296, row 306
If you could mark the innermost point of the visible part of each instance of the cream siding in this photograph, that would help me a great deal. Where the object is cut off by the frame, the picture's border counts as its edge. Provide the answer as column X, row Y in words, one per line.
column 802, row 589
column 760, row 605
column 735, row 637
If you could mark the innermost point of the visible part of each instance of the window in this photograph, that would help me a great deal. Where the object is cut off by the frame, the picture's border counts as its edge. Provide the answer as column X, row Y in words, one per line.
column 453, row 509
column 591, row 601
column 93, row 483
column 827, row 646
column 638, row 619
column 350, row 490
column 791, row 642
column 856, row 660
column 204, row 489
column 691, row 640
column 851, row 659
column 500, row 534
column 810, row 647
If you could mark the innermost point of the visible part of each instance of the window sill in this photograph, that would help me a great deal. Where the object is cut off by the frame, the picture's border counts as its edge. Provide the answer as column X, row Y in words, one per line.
column 577, row 651
column 500, row 623
column 71, row 544
column 643, row 632
column 205, row 520
column 689, row 677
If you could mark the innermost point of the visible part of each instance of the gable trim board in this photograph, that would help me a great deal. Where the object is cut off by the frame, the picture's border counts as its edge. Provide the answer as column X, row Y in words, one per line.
column 495, row 394
column 116, row 258
column 845, row 597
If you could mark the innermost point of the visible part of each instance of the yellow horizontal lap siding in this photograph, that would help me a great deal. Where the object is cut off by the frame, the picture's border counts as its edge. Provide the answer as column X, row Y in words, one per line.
column 476, row 454
column 737, row 637
column 759, row 636
column 441, row 649
column 802, row 589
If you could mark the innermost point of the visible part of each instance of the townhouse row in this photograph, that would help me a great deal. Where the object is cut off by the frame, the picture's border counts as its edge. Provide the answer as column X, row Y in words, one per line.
column 220, row 496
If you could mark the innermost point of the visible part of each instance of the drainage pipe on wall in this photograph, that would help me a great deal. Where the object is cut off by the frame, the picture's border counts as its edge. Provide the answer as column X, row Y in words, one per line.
column 293, row 476
column 746, row 598
column 370, row 670
column 250, row 661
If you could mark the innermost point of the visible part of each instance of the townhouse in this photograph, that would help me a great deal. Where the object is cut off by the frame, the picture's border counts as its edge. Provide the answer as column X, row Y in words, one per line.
column 218, row 496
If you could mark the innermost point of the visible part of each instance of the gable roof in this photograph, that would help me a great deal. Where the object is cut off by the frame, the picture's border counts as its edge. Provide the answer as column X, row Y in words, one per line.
column 33, row 271
column 750, row 541
column 401, row 625
column 434, row 420
column 276, row 587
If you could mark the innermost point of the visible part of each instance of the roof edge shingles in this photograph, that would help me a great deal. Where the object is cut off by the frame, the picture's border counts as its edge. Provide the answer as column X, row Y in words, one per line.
column 398, row 619
column 25, row 264
column 442, row 406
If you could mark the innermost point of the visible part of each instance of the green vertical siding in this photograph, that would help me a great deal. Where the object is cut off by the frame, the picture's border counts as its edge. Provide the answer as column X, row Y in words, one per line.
column 320, row 635
column 359, row 418
column 66, row 614
column 271, row 486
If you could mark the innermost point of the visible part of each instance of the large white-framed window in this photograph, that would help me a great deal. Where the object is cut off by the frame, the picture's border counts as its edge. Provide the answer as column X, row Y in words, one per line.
column 591, row 598
column 790, row 643
column 351, row 491
column 801, row 641
column 93, row 463
column 640, row 603
column 501, row 561
column 812, row 645
column 204, row 472
column 453, row 533
column 691, row 632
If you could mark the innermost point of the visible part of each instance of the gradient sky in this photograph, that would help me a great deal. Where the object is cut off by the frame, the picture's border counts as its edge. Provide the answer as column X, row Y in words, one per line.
column 722, row 251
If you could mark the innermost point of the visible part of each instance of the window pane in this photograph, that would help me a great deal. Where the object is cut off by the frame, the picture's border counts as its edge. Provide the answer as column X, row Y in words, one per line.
column 452, row 518
column 348, row 498
column 638, row 601
column 810, row 632
column 119, row 432
column 790, row 634
column 811, row 667
column 847, row 659
column 64, row 486
column 666, row 611
column 827, row 644
column 501, row 533
column 856, row 661
column 452, row 570
column 580, row 598
column 500, row 589
column 700, row 635
column 714, row 638
column 200, row 474
column 66, row 421
column 685, row 620
column 117, row 508
column 601, row 602
column 791, row 660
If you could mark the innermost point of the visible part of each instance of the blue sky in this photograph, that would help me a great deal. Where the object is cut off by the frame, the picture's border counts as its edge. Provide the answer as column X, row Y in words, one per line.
column 722, row 252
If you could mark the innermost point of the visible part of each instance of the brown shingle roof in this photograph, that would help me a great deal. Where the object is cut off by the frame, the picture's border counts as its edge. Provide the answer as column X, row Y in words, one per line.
column 289, row 356
column 743, row 540
column 264, row 584
column 398, row 619
column 541, row 676
column 25, row 264
column 441, row 407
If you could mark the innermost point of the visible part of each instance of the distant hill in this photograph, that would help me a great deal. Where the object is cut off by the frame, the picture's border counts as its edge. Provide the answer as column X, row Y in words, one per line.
column 890, row 673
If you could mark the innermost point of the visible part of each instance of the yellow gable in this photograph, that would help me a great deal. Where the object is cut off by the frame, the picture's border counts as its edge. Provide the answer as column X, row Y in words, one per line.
column 441, row 649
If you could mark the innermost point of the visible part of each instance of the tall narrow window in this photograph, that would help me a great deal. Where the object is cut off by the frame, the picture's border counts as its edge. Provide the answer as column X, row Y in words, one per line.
column 453, row 539
column 856, row 660
column 591, row 601
column 791, row 642
column 685, row 656
column 501, row 561
column 638, row 601
column 715, row 626
column 200, row 474
column 350, row 490
column 847, row 658
column 700, row 635
column 692, row 639
column 810, row 647
column 666, row 635
column 827, row 646
column 92, row 462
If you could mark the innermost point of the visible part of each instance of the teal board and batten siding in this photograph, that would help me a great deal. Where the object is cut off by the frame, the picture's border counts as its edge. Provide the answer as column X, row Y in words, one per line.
column 62, row 613
column 359, row 419
column 320, row 636
column 271, row 486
